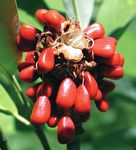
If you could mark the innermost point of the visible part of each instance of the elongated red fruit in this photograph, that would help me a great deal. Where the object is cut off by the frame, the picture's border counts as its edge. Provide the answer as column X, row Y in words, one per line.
column 28, row 33
column 53, row 121
column 46, row 61
column 95, row 30
column 116, row 72
column 25, row 64
column 40, row 13
column 122, row 60
column 53, row 19
column 30, row 56
column 31, row 91
column 28, row 74
column 112, row 61
column 84, row 116
column 66, row 130
column 66, row 94
column 102, row 105
column 82, row 103
column 46, row 88
column 23, row 46
column 90, row 84
column 41, row 111
column 104, row 47
column 98, row 96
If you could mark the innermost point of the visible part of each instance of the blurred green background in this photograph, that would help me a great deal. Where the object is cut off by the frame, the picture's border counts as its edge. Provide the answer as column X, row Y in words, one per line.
column 112, row 130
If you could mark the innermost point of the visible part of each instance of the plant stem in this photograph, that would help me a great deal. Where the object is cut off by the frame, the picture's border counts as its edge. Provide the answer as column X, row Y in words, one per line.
column 39, row 132
column 3, row 142
column 76, row 10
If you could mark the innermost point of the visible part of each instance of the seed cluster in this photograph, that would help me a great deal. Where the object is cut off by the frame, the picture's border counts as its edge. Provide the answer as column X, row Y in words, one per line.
column 73, row 65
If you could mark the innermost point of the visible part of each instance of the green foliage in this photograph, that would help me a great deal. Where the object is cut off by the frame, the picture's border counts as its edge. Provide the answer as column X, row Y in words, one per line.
column 113, row 130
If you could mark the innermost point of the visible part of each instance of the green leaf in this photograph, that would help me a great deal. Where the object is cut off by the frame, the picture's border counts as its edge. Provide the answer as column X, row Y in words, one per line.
column 81, row 10
column 8, row 30
column 115, row 14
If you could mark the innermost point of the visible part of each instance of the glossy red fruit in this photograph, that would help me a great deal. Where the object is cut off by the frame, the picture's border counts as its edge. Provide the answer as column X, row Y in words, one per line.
column 23, row 46
column 66, row 130
column 114, row 60
column 46, row 61
column 102, row 105
column 28, row 33
column 46, row 88
column 104, row 47
column 116, row 72
column 122, row 60
column 40, row 13
column 53, row 20
column 41, row 111
column 90, row 84
column 95, row 30
column 31, row 91
column 25, row 64
column 53, row 121
column 107, row 86
column 98, row 96
column 84, row 116
column 28, row 74
column 30, row 56
column 82, row 103
column 66, row 94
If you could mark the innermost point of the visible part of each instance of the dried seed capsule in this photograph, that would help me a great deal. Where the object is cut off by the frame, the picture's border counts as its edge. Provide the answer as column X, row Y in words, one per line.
column 95, row 30
column 104, row 47
column 82, row 103
column 66, row 130
column 41, row 111
column 66, row 94
column 90, row 84
column 46, row 61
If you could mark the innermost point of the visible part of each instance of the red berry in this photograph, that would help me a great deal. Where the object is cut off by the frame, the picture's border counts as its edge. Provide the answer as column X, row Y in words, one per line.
column 28, row 74
column 46, row 88
column 46, row 61
column 23, row 46
column 25, row 64
column 53, row 19
column 66, row 130
column 90, row 84
column 31, row 91
column 104, row 47
column 95, row 30
column 122, row 59
column 53, row 121
column 112, row 61
column 66, row 94
column 113, row 72
column 40, row 13
column 98, row 96
column 28, row 33
column 82, row 103
column 41, row 111
column 102, row 105
column 30, row 56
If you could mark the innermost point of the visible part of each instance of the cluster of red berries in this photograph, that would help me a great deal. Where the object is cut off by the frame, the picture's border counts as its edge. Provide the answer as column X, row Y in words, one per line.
column 72, row 64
